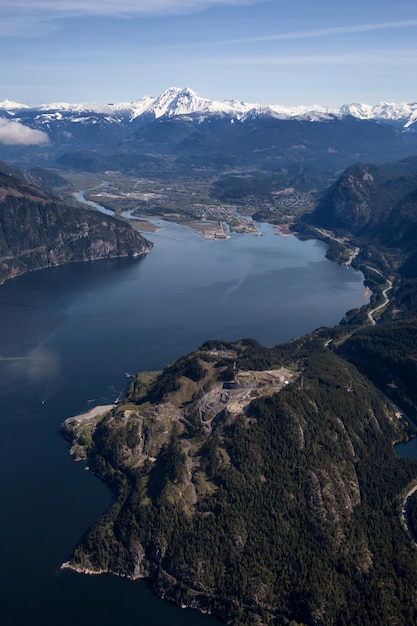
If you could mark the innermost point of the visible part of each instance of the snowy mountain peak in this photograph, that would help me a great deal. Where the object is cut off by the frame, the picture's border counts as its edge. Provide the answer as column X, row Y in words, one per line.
column 8, row 105
column 403, row 114
column 177, row 101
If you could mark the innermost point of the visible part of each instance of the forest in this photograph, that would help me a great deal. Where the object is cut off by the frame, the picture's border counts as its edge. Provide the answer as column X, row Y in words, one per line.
column 288, row 513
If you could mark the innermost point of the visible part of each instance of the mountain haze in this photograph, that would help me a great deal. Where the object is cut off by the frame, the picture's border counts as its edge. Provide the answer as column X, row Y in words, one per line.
column 228, row 133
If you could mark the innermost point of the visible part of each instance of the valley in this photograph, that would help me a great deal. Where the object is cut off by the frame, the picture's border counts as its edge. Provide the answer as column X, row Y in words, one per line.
column 193, row 433
column 258, row 484
column 188, row 202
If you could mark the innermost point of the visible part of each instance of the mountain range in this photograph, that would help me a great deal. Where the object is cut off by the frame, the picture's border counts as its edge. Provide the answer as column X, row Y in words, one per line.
column 176, row 101
column 179, row 134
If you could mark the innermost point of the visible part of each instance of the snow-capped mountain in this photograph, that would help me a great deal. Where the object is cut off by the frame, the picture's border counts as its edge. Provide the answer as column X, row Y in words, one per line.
column 185, row 102
column 179, row 130
column 402, row 114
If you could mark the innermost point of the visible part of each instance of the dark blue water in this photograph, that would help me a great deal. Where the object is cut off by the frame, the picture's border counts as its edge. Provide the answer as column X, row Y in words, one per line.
column 407, row 449
column 68, row 335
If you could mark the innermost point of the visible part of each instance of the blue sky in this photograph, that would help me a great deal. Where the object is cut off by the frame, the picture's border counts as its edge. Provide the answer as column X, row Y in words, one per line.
column 266, row 51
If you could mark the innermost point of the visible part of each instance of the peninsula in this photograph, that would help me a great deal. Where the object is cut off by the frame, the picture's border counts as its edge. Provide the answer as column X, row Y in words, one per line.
column 243, row 475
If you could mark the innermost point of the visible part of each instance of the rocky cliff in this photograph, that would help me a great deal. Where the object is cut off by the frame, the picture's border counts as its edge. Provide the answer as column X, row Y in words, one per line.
column 365, row 199
column 39, row 231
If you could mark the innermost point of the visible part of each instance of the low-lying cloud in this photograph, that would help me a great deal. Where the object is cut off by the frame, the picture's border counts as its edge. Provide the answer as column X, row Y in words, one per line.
column 14, row 133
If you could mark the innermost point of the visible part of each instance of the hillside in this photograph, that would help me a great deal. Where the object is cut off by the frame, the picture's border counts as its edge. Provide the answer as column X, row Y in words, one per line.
column 258, row 484
column 369, row 200
column 185, row 144
column 38, row 231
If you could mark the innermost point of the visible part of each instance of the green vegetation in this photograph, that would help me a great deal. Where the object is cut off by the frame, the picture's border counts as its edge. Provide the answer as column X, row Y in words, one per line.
column 38, row 231
column 284, row 512
column 387, row 354
column 260, row 483
column 412, row 514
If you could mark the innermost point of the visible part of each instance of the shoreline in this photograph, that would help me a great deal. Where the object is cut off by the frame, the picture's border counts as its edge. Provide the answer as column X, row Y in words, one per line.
column 67, row 565
column 163, row 596
column 282, row 230
column 91, row 413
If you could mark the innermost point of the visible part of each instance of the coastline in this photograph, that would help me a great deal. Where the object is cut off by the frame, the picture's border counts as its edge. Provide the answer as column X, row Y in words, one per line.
column 282, row 230
column 91, row 413
column 81, row 424
column 96, row 572
column 195, row 605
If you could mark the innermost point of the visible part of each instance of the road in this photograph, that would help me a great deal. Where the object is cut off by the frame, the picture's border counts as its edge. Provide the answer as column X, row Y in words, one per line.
column 384, row 304
column 404, row 515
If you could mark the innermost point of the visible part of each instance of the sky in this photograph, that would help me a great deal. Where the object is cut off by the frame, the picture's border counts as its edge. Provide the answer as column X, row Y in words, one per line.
column 266, row 51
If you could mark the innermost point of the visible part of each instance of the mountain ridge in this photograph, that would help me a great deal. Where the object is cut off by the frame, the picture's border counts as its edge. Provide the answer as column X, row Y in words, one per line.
column 370, row 200
column 184, row 101
column 39, row 231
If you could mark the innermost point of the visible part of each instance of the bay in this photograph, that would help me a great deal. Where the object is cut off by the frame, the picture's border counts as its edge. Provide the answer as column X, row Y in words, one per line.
column 69, row 334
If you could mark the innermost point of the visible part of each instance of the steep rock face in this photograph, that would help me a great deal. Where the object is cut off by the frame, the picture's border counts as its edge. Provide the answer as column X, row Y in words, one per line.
column 366, row 199
column 353, row 204
column 350, row 201
column 38, row 231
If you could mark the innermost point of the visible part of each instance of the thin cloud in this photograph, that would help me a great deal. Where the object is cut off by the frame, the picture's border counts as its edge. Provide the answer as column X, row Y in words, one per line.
column 376, row 57
column 118, row 7
column 330, row 32
column 14, row 133
column 35, row 18
column 305, row 34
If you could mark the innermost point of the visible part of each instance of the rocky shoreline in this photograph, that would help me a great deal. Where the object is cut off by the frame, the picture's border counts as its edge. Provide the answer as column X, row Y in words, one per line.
column 162, row 594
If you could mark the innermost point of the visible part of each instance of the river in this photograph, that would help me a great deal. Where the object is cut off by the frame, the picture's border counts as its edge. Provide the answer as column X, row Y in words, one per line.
column 68, row 336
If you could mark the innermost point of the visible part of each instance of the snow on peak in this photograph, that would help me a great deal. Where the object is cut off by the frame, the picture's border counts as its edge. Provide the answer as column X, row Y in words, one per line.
column 402, row 113
column 356, row 109
column 8, row 105
column 177, row 101
column 184, row 101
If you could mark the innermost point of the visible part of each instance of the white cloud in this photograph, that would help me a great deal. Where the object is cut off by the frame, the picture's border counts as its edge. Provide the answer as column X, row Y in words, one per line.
column 304, row 34
column 35, row 18
column 118, row 7
column 14, row 133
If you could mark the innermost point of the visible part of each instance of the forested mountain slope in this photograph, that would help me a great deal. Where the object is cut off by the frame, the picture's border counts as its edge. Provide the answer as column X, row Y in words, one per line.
column 369, row 200
column 38, row 231
column 259, row 484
